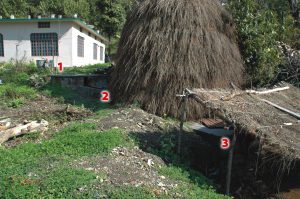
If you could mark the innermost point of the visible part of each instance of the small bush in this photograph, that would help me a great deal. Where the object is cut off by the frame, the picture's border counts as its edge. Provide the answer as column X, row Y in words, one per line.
column 85, row 69
column 15, row 103
column 13, row 91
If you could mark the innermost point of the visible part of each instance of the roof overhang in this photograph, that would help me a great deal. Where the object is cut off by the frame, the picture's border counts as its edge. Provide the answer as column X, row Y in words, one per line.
column 75, row 20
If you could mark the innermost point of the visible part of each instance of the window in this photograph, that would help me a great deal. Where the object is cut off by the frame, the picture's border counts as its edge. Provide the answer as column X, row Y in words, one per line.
column 1, row 46
column 80, row 46
column 43, row 24
column 101, row 53
column 80, row 29
column 44, row 44
column 95, row 51
column 89, row 34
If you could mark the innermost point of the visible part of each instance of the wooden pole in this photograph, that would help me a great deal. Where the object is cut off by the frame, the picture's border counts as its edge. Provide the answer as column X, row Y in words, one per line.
column 182, row 120
column 292, row 113
column 229, row 163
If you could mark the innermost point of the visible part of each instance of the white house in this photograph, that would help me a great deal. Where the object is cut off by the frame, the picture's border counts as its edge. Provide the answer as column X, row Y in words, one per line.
column 66, row 40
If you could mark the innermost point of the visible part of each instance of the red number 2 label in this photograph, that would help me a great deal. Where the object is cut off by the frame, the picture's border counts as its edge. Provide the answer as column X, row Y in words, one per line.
column 225, row 143
column 105, row 96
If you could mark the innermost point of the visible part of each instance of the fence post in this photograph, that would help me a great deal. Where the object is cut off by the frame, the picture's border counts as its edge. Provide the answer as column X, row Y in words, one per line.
column 229, row 163
column 182, row 119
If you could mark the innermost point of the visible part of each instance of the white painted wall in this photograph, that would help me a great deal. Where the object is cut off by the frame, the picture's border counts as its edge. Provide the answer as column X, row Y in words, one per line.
column 16, row 35
column 88, row 48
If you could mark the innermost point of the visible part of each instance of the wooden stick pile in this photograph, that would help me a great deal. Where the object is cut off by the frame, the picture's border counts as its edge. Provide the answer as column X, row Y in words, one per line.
column 8, row 131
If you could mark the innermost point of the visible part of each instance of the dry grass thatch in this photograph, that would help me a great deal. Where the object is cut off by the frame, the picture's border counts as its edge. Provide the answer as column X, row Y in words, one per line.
column 277, row 131
column 169, row 45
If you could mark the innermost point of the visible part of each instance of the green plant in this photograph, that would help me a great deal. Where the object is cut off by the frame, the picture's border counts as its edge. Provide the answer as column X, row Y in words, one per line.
column 15, row 103
column 41, row 170
column 167, row 148
column 131, row 192
column 258, row 30
column 13, row 91
column 85, row 69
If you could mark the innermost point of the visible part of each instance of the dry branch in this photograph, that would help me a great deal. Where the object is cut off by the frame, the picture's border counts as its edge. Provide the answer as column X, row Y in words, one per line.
column 5, row 124
column 267, row 91
column 294, row 114
column 23, row 129
column 239, row 93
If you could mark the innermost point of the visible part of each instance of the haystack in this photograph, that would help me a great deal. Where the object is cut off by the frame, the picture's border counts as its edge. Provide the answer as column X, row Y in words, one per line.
column 169, row 45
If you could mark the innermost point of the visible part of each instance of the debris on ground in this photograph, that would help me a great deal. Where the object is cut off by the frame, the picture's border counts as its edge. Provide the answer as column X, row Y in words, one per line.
column 7, row 131
column 132, row 120
column 129, row 167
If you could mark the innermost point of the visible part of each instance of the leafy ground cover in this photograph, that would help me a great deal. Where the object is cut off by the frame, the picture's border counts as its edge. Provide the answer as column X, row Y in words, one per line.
column 43, row 170
column 38, row 166
column 86, row 69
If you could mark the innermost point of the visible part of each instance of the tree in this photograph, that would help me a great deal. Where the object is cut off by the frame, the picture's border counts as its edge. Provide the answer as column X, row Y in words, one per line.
column 18, row 8
column 258, row 31
column 66, row 8
column 110, row 17
column 295, row 10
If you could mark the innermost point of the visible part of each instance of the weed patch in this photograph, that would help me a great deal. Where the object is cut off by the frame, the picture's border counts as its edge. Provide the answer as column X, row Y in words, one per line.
column 86, row 69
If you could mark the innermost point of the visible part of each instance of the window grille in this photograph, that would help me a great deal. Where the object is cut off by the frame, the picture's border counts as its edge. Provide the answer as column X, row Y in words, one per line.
column 43, row 24
column 101, row 53
column 1, row 46
column 80, row 46
column 44, row 44
column 95, row 51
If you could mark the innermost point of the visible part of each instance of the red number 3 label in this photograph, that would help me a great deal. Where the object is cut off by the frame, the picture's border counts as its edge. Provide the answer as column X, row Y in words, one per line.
column 105, row 96
column 225, row 143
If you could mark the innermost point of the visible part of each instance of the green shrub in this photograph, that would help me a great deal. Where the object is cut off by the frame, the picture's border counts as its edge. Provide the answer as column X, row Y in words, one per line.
column 258, row 32
column 14, row 91
column 15, row 103
column 85, row 69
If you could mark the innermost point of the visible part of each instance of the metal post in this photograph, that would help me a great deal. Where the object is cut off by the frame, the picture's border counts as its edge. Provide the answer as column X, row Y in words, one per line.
column 182, row 120
column 229, row 164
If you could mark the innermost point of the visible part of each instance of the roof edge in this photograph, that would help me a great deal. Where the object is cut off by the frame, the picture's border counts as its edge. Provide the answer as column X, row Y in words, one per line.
column 78, row 20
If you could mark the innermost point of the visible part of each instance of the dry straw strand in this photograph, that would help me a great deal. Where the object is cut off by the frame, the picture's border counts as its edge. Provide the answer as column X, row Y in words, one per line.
column 169, row 45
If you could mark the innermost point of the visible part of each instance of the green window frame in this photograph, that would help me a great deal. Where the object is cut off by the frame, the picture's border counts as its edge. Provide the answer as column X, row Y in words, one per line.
column 1, row 46
column 44, row 44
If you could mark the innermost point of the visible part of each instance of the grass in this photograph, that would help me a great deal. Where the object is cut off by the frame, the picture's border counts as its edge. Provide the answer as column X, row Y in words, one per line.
column 15, row 90
column 85, row 69
column 14, row 95
column 41, row 170
column 66, row 95
column 192, row 183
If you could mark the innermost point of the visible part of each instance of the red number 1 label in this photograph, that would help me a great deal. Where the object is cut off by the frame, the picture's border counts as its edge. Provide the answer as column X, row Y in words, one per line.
column 105, row 96
column 225, row 143
column 60, row 67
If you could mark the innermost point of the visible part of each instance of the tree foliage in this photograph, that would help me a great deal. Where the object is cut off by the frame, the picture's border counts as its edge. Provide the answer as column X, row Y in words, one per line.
column 107, row 15
column 260, row 25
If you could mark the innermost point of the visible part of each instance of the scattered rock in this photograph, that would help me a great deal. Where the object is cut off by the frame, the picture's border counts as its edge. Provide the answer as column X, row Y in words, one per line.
column 128, row 166
column 150, row 163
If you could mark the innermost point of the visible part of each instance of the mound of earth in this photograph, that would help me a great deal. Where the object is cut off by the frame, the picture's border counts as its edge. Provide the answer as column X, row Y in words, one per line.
column 128, row 167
